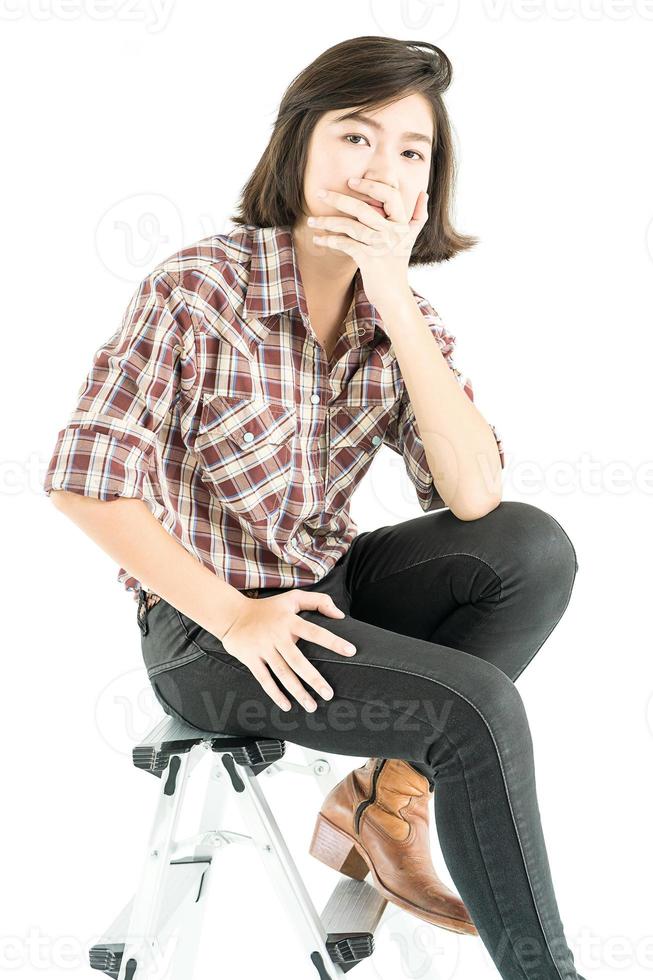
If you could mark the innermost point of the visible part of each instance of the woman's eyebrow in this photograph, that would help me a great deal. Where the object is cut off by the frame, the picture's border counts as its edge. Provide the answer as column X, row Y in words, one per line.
column 361, row 117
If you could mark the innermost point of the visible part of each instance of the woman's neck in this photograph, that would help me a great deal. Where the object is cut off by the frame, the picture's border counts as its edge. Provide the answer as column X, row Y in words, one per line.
column 327, row 280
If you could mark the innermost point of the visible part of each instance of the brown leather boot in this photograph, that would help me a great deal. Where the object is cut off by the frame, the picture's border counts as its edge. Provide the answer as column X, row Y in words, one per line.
column 377, row 819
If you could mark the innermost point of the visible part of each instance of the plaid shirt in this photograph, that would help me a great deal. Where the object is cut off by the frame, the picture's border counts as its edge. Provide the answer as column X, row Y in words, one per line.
column 214, row 403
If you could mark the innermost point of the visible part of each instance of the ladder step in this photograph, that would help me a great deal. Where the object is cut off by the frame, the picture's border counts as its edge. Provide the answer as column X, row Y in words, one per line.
column 254, row 752
column 172, row 737
column 346, row 950
column 350, row 919
column 182, row 888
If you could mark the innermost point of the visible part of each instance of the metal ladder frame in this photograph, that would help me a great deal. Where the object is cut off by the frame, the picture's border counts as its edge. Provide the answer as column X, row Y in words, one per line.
column 157, row 934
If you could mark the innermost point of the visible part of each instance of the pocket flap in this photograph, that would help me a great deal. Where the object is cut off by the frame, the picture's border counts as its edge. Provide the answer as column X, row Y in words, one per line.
column 247, row 421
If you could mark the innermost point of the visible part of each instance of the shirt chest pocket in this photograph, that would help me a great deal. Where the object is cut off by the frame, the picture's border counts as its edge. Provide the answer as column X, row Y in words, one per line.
column 245, row 445
column 355, row 436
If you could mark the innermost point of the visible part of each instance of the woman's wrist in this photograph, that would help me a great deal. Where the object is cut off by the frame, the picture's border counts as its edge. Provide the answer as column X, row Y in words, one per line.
column 229, row 605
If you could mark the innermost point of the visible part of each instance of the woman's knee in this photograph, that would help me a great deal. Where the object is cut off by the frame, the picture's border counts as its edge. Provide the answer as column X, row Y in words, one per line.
column 534, row 534
column 500, row 703
column 483, row 715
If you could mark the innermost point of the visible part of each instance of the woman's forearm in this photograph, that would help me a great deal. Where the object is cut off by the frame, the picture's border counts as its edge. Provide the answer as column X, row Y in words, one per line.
column 129, row 533
column 460, row 447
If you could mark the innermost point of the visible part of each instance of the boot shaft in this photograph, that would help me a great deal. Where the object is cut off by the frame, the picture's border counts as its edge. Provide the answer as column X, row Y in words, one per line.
column 380, row 787
column 400, row 801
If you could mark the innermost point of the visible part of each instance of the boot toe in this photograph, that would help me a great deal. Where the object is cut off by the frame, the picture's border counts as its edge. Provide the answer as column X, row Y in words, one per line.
column 446, row 903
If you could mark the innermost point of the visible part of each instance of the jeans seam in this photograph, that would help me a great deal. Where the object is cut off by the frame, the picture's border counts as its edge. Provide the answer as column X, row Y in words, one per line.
column 172, row 664
column 489, row 881
column 453, row 554
column 414, row 673
column 422, row 561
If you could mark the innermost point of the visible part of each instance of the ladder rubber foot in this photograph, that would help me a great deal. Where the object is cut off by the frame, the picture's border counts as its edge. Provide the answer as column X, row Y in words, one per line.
column 107, row 957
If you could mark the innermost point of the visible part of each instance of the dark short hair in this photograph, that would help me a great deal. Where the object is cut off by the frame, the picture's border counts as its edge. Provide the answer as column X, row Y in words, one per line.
column 362, row 72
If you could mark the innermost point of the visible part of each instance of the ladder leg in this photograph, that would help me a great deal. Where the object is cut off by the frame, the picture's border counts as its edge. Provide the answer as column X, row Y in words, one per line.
column 143, row 956
column 165, row 916
column 157, row 935
column 281, row 868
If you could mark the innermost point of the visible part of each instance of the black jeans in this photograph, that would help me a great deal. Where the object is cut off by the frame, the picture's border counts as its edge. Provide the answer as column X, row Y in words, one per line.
column 445, row 615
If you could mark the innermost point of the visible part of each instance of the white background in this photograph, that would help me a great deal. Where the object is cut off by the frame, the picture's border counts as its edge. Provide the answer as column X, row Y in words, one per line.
column 130, row 130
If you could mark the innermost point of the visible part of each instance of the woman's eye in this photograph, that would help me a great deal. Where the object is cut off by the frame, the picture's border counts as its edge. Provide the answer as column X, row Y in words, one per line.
column 359, row 136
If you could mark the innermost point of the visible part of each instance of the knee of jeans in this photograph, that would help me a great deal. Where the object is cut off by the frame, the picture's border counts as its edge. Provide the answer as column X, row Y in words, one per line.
column 502, row 708
column 565, row 544
column 540, row 534
column 487, row 720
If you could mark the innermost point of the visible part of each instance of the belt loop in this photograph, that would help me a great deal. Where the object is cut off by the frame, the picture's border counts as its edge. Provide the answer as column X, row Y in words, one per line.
column 141, row 612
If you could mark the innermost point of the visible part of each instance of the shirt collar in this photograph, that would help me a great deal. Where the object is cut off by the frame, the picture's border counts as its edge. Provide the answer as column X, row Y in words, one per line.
column 275, row 285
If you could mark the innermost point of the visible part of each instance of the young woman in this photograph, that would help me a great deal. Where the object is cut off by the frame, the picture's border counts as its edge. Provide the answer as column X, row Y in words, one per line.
column 254, row 377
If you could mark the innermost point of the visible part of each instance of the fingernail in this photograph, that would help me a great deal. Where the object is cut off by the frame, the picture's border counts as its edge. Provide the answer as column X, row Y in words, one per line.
column 326, row 692
column 321, row 192
column 350, row 649
column 354, row 180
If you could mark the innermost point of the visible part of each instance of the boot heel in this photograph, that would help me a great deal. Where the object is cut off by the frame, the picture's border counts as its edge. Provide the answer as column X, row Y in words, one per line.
column 336, row 850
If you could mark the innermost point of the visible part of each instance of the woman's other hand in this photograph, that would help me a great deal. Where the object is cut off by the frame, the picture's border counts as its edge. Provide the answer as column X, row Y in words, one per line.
column 263, row 637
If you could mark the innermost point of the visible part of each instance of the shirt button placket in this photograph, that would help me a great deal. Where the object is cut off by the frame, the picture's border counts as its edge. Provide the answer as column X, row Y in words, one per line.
column 315, row 400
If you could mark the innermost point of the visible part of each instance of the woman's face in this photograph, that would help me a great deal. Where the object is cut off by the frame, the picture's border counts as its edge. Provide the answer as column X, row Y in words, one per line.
column 392, row 144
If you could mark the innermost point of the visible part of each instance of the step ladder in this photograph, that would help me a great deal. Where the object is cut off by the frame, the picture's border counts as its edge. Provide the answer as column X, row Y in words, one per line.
column 157, row 934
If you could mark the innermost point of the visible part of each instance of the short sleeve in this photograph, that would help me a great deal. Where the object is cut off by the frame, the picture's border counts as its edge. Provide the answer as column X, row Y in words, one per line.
column 403, row 435
column 135, row 378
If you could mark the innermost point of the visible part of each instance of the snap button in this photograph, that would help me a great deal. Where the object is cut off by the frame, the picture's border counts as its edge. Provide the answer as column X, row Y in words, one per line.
column 248, row 436
column 360, row 330
column 376, row 440
column 315, row 399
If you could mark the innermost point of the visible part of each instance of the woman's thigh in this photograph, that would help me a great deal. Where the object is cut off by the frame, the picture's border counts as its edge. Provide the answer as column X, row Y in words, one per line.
column 505, row 587
column 397, row 697
column 494, row 587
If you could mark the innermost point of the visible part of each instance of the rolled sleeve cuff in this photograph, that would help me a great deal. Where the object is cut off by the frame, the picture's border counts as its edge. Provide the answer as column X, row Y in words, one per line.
column 95, row 462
